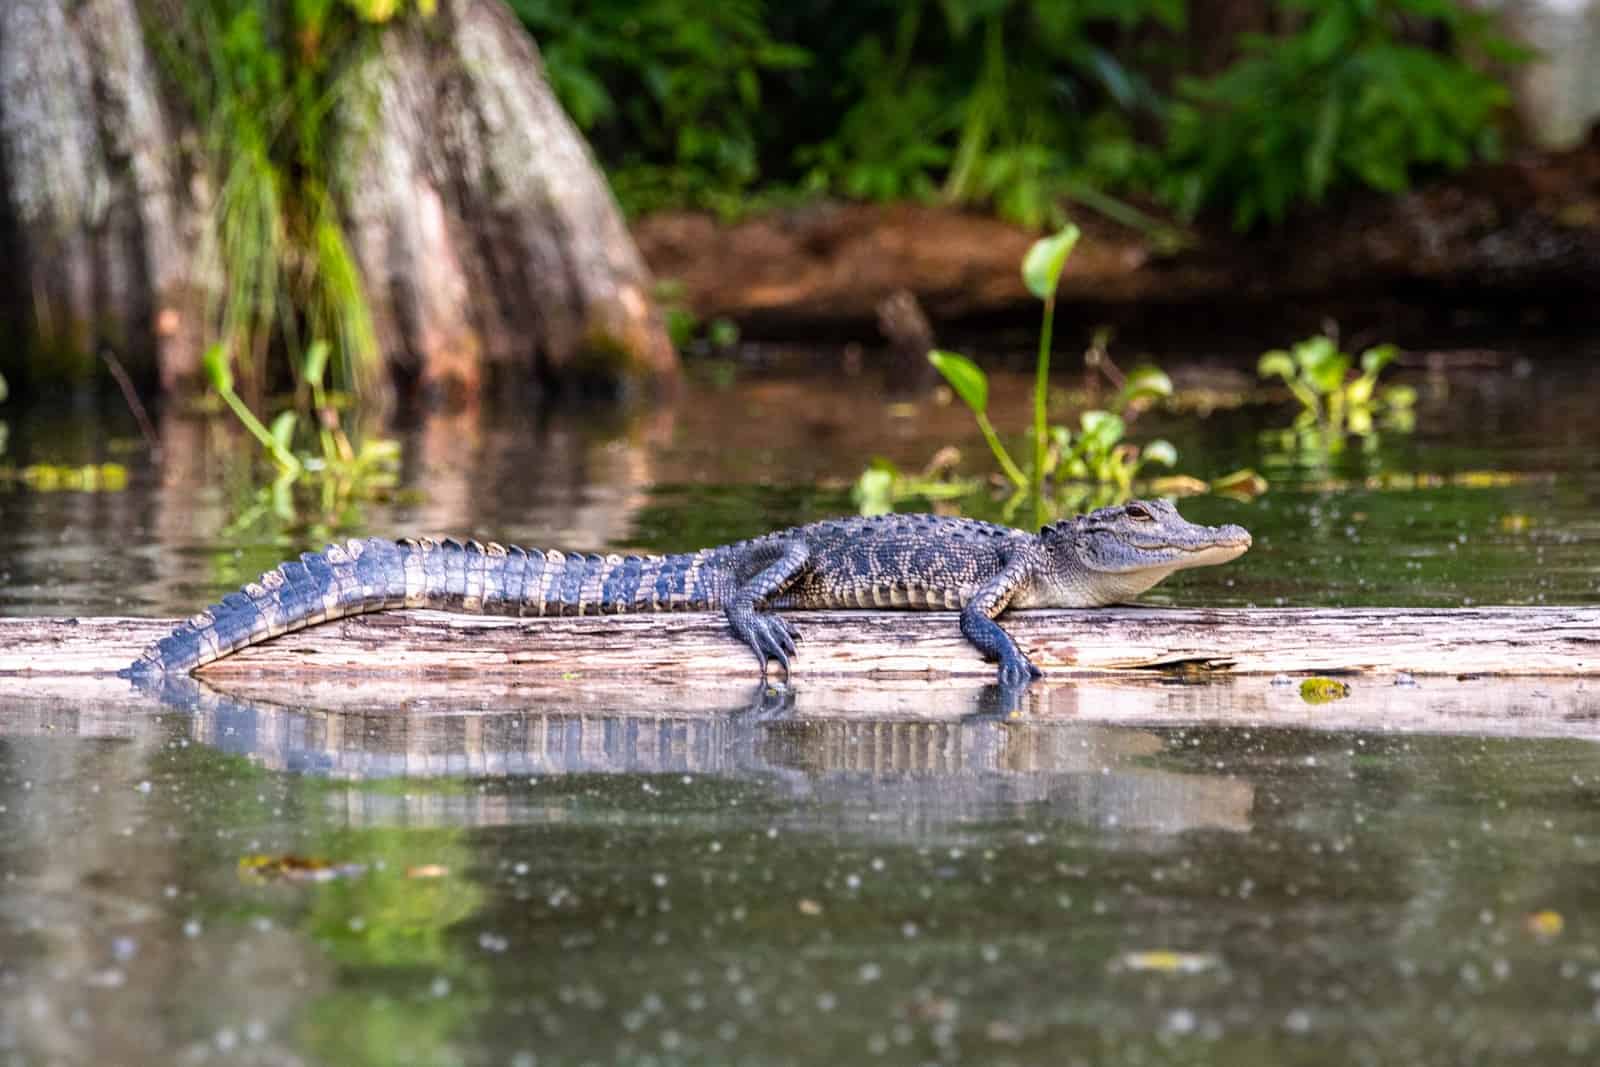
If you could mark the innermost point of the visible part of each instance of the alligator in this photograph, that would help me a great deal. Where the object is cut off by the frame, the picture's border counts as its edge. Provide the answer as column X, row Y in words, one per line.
column 919, row 562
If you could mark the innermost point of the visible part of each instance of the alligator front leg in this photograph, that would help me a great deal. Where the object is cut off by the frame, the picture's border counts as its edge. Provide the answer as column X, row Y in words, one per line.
column 977, row 622
column 753, row 622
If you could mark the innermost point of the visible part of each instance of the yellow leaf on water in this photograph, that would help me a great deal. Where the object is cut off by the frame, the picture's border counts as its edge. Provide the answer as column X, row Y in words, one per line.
column 428, row 870
column 1323, row 690
column 1169, row 961
column 1546, row 924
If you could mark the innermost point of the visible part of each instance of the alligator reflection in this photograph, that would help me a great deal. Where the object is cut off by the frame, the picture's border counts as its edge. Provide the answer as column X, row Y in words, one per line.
column 908, row 771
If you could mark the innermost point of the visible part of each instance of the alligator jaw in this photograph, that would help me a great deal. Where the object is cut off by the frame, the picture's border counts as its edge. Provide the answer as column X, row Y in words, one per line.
column 1225, row 543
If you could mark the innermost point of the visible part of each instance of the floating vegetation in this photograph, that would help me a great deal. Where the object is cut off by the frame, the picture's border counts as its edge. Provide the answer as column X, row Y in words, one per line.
column 58, row 478
column 1070, row 470
column 1169, row 961
column 292, row 868
column 1323, row 690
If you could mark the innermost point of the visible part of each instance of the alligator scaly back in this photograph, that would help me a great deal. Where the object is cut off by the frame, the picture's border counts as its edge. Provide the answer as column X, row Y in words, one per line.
column 358, row 577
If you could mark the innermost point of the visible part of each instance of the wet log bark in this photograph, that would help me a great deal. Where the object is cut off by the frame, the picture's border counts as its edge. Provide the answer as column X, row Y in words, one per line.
column 484, row 230
column 1475, row 641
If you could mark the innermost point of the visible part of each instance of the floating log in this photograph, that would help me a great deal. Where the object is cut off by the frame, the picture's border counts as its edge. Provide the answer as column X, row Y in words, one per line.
column 1461, row 641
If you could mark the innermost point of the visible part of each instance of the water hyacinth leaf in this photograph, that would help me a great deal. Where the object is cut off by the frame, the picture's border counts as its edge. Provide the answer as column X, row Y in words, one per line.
column 1276, row 362
column 1144, row 383
column 965, row 377
column 1101, row 431
column 1241, row 484
column 1373, row 360
column 1322, row 364
column 1399, row 396
column 218, row 372
column 1046, row 259
column 1159, row 451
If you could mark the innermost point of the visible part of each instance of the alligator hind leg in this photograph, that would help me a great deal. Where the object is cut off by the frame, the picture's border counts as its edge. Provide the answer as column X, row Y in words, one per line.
column 770, row 636
column 977, row 623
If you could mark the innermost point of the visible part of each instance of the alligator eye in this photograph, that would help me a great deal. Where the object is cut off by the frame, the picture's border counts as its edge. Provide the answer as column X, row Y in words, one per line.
column 1138, row 511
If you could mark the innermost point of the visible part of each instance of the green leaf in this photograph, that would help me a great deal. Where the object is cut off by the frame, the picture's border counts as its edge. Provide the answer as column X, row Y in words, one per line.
column 722, row 333
column 1143, row 383
column 316, row 362
column 218, row 372
column 965, row 377
column 1046, row 259
column 1159, row 451
column 1101, row 431
column 283, row 429
column 1276, row 362
column 1373, row 360
column 1398, row 396
column 1322, row 364
column 874, row 491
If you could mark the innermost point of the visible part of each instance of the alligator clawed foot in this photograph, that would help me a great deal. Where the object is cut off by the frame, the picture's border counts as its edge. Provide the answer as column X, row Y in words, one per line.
column 771, row 638
column 1018, row 670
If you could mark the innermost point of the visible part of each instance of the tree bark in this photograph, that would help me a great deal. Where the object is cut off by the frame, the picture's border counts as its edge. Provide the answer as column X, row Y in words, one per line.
column 95, row 222
column 484, row 230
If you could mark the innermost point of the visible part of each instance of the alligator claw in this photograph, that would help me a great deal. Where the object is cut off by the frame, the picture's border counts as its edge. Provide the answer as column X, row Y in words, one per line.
column 1018, row 671
column 771, row 638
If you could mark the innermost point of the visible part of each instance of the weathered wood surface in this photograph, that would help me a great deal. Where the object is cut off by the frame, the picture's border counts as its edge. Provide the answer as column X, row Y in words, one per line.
column 1511, row 641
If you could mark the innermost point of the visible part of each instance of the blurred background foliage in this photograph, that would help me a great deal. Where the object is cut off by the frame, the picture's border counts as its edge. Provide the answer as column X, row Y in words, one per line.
column 1024, row 106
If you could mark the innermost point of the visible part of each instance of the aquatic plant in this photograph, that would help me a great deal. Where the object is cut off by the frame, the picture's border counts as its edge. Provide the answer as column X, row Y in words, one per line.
column 1319, row 377
column 1069, row 471
column 337, row 473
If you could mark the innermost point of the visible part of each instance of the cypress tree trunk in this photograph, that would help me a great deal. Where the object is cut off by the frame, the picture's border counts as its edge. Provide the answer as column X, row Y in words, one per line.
column 484, row 231
column 94, row 224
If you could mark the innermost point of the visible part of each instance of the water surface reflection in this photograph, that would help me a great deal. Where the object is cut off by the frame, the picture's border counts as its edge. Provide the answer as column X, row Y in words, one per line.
column 647, row 875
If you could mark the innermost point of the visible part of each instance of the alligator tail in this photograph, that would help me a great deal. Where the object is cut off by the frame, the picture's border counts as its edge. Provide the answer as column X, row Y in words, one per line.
column 358, row 576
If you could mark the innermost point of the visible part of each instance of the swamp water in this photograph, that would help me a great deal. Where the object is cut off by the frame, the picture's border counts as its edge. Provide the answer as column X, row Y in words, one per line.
column 619, row 871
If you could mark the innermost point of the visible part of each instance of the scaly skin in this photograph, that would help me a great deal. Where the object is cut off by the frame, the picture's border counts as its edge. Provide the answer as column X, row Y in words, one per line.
column 889, row 561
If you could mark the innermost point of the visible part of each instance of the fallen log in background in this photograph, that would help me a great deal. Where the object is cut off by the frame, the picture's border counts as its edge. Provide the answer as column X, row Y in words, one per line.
column 1526, row 641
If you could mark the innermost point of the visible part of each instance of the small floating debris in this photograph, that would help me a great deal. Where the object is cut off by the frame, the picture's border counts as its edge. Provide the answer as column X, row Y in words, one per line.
column 1169, row 961
column 291, row 868
column 1405, row 680
column 1323, row 690
column 1546, row 925
column 428, row 870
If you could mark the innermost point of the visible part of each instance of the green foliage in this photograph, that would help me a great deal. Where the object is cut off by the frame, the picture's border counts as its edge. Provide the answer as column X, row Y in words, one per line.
column 669, row 91
column 334, row 476
column 1318, row 375
column 278, row 90
column 1069, row 472
column 1015, row 103
column 1027, row 106
column 1344, row 101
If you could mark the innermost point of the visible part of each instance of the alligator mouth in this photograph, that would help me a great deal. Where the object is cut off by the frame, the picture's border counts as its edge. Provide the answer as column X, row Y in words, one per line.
column 1218, row 550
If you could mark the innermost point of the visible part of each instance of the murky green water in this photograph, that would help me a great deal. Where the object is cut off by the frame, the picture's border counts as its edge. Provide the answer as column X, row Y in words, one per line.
column 546, row 885
column 546, row 875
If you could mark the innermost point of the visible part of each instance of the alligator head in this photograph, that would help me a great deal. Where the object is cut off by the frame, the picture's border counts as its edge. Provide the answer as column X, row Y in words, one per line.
column 1114, row 554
